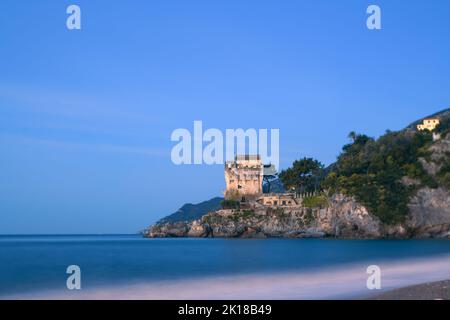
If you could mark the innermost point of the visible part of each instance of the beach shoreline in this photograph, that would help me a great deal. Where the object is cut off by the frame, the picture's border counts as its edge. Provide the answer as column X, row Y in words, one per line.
column 423, row 279
column 439, row 290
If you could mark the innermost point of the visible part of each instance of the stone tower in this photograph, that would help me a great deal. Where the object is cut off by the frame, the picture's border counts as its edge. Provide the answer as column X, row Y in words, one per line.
column 244, row 177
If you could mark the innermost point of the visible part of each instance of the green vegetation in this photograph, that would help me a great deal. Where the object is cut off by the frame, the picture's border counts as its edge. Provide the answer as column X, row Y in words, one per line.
column 233, row 195
column 309, row 217
column 371, row 171
column 443, row 175
column 248, row 213
column 191, row 212
column 320, row 201
column 444, row 127
column 304, row 176
column 230, row 204
column 382, row 174
column 242, row 214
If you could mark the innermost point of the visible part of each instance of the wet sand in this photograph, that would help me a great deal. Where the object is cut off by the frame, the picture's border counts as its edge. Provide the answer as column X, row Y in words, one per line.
column 427, row 291
column 345, row 282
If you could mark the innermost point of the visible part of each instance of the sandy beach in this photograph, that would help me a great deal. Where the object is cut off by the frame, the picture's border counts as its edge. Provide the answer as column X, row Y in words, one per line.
column 399, row 281
column 428, row 291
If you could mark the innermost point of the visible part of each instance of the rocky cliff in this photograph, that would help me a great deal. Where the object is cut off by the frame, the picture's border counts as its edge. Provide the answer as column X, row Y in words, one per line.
column 342, row 216
column 429, row 209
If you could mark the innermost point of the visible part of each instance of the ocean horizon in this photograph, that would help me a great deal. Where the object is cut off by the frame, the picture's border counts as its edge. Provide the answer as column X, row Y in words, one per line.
column 132, row 267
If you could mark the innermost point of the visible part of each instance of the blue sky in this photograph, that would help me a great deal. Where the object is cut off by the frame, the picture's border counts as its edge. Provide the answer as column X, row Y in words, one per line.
column 86, row 115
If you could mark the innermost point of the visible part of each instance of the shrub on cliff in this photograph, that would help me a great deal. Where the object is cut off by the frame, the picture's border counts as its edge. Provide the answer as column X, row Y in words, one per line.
column 319, row 201
column 371, row 170
column 230, row 204
column 443, row 175
column 444, row 126
column 305, row 175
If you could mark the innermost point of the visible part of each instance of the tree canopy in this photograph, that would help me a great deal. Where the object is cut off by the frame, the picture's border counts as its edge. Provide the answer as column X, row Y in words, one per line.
column 371, row 170
column 305, row 175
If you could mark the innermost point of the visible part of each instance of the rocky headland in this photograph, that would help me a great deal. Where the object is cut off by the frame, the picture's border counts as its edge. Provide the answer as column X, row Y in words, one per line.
column 340, row 214
column 343, row 217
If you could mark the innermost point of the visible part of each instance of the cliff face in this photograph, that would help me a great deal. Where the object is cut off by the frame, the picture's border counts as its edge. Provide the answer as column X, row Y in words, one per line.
column 343, row 218
column 430, row 213
column 429, row 209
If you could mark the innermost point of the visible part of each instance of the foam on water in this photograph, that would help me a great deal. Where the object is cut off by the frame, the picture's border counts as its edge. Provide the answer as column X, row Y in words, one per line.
column 346, row 281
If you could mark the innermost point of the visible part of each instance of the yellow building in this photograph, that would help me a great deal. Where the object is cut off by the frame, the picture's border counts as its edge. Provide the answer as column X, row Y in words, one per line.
column 278, row 200
column 428, row 124
column 244, row 176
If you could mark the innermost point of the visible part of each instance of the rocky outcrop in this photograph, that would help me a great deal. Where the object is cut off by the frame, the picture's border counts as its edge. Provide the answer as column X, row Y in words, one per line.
column 342, row 218
column 347, row 218
column 168, row 230
column 430, row 213
column 429, row 209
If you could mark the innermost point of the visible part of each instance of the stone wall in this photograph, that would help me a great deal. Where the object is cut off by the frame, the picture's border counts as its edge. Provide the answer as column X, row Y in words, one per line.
column 243, row 180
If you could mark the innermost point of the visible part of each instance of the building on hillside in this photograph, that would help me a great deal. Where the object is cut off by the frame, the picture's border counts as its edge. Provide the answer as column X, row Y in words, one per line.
column 279, row 200
column 428, row 124
column 244, row 177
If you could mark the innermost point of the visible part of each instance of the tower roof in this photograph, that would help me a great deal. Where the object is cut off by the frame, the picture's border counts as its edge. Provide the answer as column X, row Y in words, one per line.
column 248, row 157
column 270, row 170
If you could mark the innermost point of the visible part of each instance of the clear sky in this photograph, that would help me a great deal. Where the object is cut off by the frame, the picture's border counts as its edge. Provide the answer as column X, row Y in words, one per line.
column 86, row 115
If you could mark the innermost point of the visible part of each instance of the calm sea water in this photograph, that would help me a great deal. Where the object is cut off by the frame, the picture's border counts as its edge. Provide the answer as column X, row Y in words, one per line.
column 38, row 263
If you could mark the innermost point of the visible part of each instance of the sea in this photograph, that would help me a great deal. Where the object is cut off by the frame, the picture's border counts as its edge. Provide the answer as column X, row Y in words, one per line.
column 132, row 267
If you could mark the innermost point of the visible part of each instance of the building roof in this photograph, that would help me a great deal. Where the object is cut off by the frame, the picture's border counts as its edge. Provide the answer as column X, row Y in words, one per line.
column 248, row 157
column 270, row 170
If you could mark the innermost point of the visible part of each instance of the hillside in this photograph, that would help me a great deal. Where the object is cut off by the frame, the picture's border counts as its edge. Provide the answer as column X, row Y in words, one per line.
column 441, row 115
column 396, row 186
column 384, row 174
column 190, row 212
